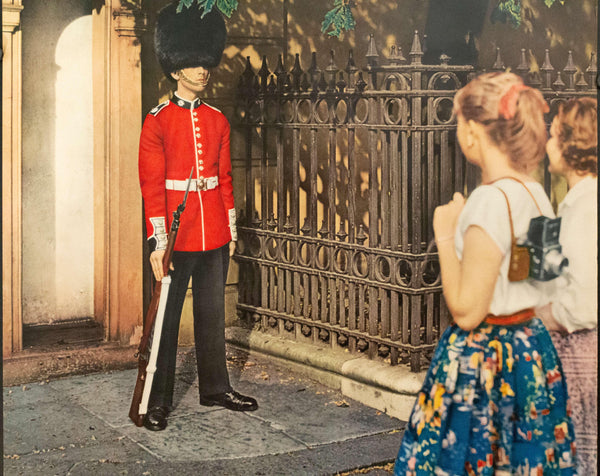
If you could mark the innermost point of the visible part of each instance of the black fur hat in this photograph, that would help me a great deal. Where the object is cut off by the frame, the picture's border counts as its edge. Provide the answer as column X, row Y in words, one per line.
column 186, row 40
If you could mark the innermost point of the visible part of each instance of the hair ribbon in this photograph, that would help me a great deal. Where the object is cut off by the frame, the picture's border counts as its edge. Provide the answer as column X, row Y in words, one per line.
column 507, row 106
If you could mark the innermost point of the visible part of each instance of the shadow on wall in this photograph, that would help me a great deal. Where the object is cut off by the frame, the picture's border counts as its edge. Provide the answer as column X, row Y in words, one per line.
column 451, row 29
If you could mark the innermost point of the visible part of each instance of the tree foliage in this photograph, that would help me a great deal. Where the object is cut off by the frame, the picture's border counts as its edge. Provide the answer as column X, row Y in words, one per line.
column 509, row 11
column 227, row 7
column 340, row 18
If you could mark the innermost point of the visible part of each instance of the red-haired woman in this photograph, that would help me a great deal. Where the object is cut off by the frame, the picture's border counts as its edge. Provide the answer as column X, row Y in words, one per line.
column 573, row 313
column 494, row 400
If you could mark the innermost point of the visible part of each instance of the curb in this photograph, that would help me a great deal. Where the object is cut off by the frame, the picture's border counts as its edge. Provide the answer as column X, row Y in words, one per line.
column 31, row 366
column 389, row 389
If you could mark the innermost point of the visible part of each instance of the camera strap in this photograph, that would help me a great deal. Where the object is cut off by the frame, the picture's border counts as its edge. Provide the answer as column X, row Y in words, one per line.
column 524, row 186
column 518, row 268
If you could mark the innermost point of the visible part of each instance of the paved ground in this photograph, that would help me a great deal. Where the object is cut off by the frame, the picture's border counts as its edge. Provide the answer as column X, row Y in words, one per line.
column 79, row 426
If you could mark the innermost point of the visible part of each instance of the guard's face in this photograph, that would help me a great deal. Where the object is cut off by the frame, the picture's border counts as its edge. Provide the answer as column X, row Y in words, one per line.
column 193, row 79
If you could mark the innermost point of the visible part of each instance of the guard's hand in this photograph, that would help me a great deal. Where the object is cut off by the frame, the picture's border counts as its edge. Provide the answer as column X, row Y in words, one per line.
column 232, row 247
column 156, row 261
column 445, row 217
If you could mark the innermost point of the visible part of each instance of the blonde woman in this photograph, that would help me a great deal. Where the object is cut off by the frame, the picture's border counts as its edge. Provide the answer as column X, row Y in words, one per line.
column 494, row 400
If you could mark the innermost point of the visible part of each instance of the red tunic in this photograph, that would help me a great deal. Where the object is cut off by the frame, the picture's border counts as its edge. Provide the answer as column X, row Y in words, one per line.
column 176, row 136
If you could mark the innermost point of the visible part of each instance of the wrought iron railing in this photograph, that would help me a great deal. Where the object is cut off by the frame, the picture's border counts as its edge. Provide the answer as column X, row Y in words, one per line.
column 343, row 171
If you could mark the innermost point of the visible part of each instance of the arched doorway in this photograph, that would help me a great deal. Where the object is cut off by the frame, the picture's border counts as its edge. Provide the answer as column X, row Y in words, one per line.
column 58, row 231
column 70, row 191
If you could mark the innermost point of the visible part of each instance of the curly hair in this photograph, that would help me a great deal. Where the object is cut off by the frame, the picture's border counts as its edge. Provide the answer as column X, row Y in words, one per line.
column 577, row 122
column 512, row 113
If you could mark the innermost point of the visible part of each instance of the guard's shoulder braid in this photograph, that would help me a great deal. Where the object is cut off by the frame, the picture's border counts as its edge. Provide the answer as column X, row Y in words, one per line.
column 212, row 107
column 159, row 108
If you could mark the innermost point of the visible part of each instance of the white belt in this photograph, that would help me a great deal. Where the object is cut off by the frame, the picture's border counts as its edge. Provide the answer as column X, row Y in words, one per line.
column 202, row 183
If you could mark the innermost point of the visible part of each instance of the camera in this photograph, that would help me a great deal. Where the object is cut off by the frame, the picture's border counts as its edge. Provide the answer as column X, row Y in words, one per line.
column 546, row 260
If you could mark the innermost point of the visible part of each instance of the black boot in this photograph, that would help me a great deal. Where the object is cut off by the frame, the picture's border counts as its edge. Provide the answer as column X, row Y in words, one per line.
column 156, row 418
column 231, row 400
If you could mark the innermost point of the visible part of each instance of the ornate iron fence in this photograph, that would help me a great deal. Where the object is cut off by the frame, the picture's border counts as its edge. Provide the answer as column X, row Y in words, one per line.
column 344, row 168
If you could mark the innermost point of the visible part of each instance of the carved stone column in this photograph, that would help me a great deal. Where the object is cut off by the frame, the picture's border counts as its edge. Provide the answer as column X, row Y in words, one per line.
column 118, row 298
column 11, row 178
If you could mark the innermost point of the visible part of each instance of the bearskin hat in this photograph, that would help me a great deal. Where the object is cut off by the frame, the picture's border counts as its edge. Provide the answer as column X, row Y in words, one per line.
column 187, row 40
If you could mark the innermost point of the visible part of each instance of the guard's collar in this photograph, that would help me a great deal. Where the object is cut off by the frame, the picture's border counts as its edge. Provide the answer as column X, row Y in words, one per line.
column 185, row 103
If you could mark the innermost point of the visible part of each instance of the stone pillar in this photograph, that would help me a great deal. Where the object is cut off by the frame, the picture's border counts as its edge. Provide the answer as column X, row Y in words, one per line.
column 11, row 178
column 118, row 301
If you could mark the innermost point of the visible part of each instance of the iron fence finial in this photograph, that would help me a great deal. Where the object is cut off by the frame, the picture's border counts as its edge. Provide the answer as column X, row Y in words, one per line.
column 351, row 69
column 592, row 71
column 416, row 52
column 264, row 73
column 547, row 68
column 314, row 71
column 341, row 83
column 498, row 64
column 296, row 73
column 570, row 71
column 396, row 55
column 559, row 84
column 523, row 67
column 305, row 83
column 280, row 73
column 372, row 55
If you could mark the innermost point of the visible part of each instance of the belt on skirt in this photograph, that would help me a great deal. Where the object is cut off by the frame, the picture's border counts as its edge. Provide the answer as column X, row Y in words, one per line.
column 518, row 317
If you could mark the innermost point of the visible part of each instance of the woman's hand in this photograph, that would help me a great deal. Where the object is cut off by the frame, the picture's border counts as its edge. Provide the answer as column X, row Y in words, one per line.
column 445, row 217
column 232, row 245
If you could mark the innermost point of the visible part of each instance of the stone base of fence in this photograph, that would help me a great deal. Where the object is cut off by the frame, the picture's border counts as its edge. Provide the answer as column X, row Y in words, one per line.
column 390, row 389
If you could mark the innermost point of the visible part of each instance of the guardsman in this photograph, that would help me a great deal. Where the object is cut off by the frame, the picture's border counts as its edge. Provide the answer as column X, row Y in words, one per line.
column 178, row 135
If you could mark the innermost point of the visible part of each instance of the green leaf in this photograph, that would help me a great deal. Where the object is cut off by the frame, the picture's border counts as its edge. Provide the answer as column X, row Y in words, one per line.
column 184, row 3
column 508, row 11
column 207, row 5
column 227, row 7
column 339, row 18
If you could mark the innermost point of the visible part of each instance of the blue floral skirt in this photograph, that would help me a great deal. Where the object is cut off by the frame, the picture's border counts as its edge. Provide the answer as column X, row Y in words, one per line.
column 494, row 400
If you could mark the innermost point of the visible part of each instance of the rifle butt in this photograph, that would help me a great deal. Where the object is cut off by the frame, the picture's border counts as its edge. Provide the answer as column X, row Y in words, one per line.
column 134, row 410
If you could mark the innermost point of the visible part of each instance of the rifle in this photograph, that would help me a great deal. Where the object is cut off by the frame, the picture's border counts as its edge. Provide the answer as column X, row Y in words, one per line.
column 153, row 323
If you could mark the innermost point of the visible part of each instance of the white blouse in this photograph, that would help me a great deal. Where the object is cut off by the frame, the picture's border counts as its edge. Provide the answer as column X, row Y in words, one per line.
column 486, row 207
column 575, row 304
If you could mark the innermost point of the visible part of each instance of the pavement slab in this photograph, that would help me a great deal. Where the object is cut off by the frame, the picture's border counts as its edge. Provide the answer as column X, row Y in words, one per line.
column 79, row 426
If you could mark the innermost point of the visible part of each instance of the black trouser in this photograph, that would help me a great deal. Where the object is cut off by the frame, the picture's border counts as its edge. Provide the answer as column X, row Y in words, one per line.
column 208, row 270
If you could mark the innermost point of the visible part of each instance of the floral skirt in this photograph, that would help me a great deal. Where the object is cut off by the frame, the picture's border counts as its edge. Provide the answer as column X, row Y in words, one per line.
column 578, row 353
column 494, row 401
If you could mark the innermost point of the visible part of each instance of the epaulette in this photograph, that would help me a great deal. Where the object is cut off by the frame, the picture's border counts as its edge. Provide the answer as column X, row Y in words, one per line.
column 212, row 107
column 159, row 108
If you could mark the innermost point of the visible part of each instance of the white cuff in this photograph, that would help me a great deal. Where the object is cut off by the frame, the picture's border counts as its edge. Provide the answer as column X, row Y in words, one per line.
column 232, row 224
column 159, row 232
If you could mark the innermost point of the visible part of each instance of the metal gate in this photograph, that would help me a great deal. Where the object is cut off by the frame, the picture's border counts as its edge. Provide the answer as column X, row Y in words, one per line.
column 344, row 167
